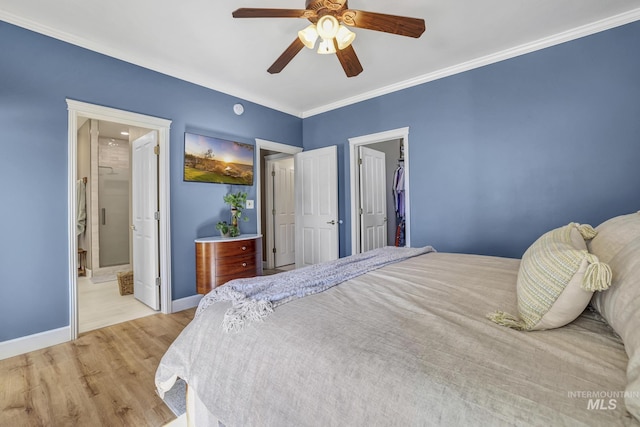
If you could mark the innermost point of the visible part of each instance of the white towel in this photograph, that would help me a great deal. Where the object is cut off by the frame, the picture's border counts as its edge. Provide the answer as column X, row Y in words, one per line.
column 81, row 207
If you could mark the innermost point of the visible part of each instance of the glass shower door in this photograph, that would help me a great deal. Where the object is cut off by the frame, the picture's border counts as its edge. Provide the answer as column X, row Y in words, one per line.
column 113, row 215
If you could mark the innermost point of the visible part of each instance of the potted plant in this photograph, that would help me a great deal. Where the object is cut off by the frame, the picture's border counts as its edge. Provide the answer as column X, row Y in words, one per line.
column 223, row 228
column 236, row 202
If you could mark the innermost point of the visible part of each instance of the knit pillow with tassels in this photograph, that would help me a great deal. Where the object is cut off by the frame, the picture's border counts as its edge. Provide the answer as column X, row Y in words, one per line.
column 556, row 280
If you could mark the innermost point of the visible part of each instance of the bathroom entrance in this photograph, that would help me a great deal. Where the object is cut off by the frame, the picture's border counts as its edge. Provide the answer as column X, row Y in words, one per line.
column 104, row 163
column 109, row 292
column 84, row 226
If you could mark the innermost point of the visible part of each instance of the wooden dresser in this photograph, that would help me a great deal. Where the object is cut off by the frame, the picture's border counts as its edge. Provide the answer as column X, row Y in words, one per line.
column 220, row 259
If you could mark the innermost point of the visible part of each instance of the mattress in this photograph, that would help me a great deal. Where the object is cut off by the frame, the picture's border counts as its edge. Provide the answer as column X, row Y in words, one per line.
column 407, row 344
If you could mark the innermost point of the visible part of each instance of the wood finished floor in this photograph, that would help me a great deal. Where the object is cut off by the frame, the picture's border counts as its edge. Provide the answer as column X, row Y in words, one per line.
column 104, row 378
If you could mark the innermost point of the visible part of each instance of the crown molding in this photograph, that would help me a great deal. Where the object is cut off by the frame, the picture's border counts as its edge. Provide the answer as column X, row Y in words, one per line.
column 145, row 62
column 573, row 34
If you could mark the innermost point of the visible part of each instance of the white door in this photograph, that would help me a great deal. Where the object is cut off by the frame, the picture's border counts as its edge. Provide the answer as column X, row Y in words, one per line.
column 316, row 174
column 373, row 199
column 281, row 205
column 144, row 192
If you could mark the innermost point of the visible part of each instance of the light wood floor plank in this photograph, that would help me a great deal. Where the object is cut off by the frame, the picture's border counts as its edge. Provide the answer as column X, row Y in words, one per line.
column 104, row 378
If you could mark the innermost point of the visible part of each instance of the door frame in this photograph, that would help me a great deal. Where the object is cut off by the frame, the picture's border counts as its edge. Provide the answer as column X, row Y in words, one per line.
column 78, row 109
column 270, row 231
column 262, row 144
column 354, row 174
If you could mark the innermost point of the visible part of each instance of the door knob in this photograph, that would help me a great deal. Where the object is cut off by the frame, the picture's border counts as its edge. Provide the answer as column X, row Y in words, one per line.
column 133, row 227
column 332, row 222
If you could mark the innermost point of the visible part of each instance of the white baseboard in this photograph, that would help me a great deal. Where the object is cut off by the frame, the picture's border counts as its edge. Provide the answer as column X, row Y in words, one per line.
column 45, row 339
column 34, row 342
column 185, row 303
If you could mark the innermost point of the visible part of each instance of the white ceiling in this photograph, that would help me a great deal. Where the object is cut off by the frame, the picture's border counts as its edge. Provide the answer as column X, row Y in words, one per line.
column 199, row 41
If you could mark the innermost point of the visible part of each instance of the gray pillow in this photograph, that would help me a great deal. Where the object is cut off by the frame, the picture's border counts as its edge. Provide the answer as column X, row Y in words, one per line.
column 618, row 243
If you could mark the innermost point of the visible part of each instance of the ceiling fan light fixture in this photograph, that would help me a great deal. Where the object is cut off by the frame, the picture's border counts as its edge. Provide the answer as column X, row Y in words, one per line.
column 308, row 36
column 344, row 37
column 326, row 47
column 330, row 17
column 327, row 27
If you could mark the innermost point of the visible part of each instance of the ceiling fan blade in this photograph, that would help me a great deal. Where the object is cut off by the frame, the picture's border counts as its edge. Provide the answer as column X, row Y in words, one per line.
column 286, row 56
column 349, row 60
column 400, row 25
column 273, row 13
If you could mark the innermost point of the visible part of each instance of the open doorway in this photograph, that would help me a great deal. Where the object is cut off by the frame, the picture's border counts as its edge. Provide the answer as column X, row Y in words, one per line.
column 104, row 165
column 279, row 209
column 275, row 203
column 104, row 209
column 379, row 179
column 142, row 130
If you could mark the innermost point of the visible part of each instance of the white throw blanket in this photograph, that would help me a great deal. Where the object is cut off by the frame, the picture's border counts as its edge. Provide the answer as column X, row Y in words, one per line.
column 255, row 298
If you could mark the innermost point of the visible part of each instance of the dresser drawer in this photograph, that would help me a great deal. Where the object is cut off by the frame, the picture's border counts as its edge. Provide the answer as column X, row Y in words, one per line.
column 234, row 265
column 220, row 260
column 235, row 248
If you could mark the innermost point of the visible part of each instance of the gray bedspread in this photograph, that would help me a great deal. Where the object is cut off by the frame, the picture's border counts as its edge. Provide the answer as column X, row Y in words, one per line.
column 408, row 345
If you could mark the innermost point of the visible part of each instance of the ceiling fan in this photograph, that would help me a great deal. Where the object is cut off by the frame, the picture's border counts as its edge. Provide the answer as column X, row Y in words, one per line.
column 328, row 19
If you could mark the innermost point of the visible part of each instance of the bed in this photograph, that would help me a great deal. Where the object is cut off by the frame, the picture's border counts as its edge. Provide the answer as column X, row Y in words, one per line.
column 410, row 344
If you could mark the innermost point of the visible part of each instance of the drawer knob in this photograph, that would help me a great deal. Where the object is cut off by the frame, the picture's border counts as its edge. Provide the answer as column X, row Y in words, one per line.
column 244, row 264
column 244, row 248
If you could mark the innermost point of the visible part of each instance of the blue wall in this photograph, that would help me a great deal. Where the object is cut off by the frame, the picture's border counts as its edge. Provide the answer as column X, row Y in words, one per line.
column 503, row 153
column 499, row 155
column 37, row 74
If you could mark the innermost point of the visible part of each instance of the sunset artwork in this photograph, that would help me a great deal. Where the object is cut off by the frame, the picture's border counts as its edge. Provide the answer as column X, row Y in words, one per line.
column 209, row 159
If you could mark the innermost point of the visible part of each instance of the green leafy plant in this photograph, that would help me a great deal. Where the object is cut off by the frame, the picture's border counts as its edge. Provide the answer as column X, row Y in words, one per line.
column 236, row 202
column 234, row 231
column 223, row 228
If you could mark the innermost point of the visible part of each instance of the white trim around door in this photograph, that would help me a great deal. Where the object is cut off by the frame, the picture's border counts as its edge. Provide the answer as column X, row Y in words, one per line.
column 80, row 109
column 262, row 144
column 354, row 144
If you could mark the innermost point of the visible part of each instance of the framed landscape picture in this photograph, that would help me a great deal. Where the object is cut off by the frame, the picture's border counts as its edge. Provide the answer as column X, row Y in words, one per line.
column 209, row 159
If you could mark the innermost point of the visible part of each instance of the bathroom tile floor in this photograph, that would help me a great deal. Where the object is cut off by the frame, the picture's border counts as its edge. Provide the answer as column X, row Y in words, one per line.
column 100, row 305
